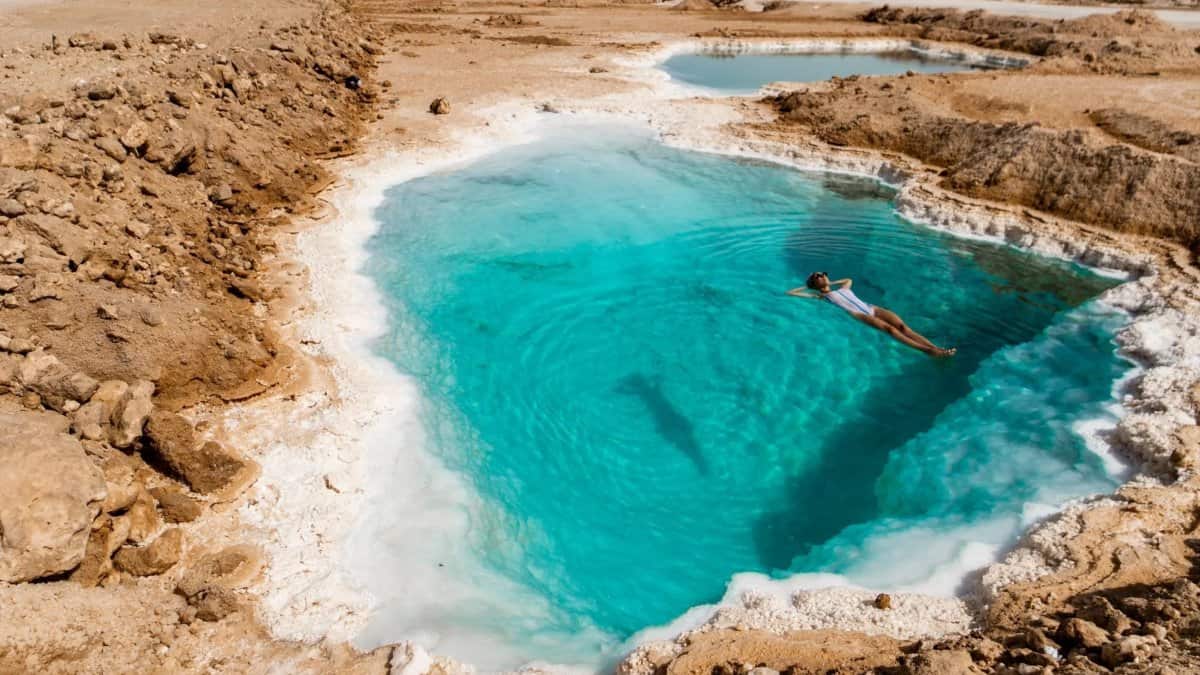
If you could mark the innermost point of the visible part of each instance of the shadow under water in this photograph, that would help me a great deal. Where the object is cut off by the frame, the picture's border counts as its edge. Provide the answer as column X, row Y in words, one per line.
column 672, row 425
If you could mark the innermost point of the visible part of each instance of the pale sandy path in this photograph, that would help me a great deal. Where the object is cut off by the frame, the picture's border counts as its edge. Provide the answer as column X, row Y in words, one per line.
column 1180, row 18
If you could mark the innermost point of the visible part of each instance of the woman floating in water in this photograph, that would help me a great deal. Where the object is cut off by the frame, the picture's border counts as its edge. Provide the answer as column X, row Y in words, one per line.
column 876, row 317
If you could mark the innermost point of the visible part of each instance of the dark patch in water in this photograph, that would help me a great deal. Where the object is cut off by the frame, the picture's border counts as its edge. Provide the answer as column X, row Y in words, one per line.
column 671, row 424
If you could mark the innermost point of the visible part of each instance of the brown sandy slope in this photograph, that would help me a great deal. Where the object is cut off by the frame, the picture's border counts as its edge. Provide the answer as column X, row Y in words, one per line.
column 148, row 155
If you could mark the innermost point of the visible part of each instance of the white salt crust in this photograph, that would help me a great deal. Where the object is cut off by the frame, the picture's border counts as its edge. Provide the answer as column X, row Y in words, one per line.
column 313, row 449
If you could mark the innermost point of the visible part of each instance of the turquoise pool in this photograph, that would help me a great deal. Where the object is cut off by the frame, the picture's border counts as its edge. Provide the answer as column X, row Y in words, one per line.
column 599, row 328
column 746, row 73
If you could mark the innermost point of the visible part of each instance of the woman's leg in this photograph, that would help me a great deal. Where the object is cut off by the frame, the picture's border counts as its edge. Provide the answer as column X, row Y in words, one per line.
column 899, row 336
column 894, row 319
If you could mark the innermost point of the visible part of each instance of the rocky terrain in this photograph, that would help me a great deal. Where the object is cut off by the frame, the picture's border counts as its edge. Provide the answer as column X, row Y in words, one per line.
column 139, row 193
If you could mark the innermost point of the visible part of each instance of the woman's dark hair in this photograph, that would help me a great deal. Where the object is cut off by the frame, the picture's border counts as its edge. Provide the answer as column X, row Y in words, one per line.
column 812, row 280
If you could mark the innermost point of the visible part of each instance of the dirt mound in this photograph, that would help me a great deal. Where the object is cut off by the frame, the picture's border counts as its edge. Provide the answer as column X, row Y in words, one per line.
column 1126, row 23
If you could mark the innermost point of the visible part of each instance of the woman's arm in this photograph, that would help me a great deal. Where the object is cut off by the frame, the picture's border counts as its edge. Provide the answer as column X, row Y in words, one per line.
column 802, row 293
column 846, row 283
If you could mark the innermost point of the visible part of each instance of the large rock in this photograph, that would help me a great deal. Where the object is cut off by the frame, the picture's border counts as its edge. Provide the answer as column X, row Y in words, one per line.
column 49, row 494
column 205, row 468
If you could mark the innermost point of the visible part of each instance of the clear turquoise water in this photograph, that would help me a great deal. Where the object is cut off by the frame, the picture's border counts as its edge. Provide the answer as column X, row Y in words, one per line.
column 599, row 328
column 746, row 73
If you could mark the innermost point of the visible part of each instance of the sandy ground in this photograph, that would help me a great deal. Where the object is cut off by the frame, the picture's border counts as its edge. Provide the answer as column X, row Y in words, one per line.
column 310, row 430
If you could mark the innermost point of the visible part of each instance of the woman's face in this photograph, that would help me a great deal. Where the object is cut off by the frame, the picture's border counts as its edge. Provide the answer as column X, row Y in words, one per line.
column 822, row 281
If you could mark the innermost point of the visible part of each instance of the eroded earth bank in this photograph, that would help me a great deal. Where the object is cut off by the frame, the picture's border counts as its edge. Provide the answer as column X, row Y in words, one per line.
column 157, row 164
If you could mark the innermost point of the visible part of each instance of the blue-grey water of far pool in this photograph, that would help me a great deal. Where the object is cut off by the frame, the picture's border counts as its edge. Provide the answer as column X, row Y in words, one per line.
column 745, row 73
column 599, row 328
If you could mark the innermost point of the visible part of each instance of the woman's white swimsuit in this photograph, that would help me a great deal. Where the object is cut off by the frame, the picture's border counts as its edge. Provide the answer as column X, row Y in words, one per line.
column 847, row 300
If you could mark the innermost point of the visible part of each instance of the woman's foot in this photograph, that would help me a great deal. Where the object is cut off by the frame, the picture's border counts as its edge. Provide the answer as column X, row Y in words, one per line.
column 945, row 353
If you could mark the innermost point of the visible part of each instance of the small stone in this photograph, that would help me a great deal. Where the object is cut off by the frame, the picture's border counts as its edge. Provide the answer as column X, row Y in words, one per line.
column 44, row 290
column 112, row 147
column 83, row 40
column 12, row 250
column 64, row 210
column 107, row 312
column 150, row 316
column 222, row 195
column 215, row 603
column 129, row 416
column 9, row 283
column 158, row 557
column 987, row 650
column 11, row 208
column 143, row 517
column 883, row 601
column 1128, row 648
column 180, row 99
column 102, row 92
column 92, row 420
column 1076, row 631
column 176, row 507
column 21, row 346
column 1036, row 640
column 122, row 491
column 938, row 663
column 136, row 137
column 157, row 38
column 137, row 228
column 440, row 106
column 1102, row 613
